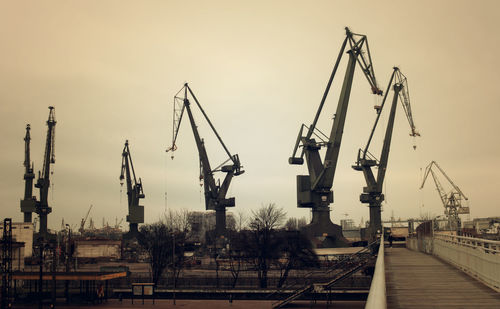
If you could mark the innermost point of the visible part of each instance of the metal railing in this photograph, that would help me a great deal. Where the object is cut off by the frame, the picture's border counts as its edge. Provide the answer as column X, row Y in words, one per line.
column 479, row 258
column 377, row 298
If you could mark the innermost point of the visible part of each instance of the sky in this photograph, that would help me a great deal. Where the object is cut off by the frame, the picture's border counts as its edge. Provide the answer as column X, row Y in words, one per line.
column 259, row 69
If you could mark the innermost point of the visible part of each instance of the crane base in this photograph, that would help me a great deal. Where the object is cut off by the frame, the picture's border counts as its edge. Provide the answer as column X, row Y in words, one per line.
column 322, row 232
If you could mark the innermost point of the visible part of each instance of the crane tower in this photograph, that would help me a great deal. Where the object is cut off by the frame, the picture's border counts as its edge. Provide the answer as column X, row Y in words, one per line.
column 28, row 203
column 372, row 193
column 134, row 193
column 315, row 189
column 452, row 200
column 215, row 192
column 43, row 181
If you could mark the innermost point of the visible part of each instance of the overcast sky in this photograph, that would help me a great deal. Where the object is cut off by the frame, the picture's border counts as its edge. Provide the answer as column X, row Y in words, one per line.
column 259, row 69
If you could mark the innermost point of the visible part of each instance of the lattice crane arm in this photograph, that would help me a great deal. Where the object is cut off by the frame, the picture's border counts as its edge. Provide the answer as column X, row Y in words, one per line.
column 214, row 191
column 43, row 181
column 442, row 192
column 134, row 187
column 358, row 44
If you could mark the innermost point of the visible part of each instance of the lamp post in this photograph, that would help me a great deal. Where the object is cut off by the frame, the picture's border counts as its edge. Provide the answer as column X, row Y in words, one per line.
column 67, row 255
column 173, row 262
column 41, row 247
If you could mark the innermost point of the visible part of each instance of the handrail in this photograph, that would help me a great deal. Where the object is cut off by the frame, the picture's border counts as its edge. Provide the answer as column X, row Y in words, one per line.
column 471, row 242
column 377, row 298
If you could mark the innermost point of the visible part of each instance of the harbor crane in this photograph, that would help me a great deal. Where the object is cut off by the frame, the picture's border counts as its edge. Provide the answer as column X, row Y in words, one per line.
column 84, row 220
column 28, row 203
column 215, row 192
column 315, row 189
column 372, row 193
column 452, row 200
column 43, row 181
column 134, row 193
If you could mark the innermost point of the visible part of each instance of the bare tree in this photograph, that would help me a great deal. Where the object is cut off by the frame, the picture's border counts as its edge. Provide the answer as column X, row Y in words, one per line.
column 263, row 245
column 178, row 220
column 301, row 222
column 269, row 217
column 291, row 224
column 155, row 239
column 294, row 224
column 297, row 252
column 241, row 220
column 237, row 254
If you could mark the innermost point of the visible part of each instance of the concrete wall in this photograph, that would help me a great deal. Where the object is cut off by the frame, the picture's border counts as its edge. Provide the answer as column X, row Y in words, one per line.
column 98, row 249
column 22, row 232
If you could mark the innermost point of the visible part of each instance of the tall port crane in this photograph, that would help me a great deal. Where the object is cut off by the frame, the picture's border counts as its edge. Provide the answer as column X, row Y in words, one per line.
column 314, row 190
column 215, row 192
column 28, row 203
column 43, row 181
column 134, row 193
column 452, row 200
column 372, row 193
column 84, row 220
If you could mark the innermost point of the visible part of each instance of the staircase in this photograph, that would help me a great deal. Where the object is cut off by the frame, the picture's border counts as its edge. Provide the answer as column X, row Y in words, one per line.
column 341, row 270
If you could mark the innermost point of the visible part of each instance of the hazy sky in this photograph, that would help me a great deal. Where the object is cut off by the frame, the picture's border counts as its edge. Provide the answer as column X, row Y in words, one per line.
column 259, row 68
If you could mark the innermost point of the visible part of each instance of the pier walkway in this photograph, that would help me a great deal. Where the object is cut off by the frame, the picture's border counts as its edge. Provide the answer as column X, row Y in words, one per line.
column 419, row 280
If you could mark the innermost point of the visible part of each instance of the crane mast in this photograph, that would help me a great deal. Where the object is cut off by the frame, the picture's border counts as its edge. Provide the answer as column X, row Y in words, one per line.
column 314, row 190
column 215, row 193
column 43, row 181
column 134, row 193
column 372, row 193
column 452, row 201
column 28, row 203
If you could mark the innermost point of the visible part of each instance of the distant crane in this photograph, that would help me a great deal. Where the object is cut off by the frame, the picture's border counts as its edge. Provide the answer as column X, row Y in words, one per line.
column 215, row 193
column 84, row 220
column 372, row 193
column 314, row 190
column 134, row 193
column 452, row 200
column 28, row 203
column 43, row 181
column 118, row 223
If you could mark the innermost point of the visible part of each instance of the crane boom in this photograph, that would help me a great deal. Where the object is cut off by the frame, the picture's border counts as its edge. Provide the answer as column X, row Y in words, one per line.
column 84, row 220
column 215, row 193
column 134, row 193
column 372, row 193
column 28, row 203
column 452, row 200
column 314, row 190
column 43, row 181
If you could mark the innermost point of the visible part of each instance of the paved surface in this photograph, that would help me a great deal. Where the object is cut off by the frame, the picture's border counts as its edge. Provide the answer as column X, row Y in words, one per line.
column 418, row 280
column 212, row 304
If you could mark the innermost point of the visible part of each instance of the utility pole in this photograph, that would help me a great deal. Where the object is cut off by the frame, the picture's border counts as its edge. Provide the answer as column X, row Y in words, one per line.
column 173, row 261
column 7, row 263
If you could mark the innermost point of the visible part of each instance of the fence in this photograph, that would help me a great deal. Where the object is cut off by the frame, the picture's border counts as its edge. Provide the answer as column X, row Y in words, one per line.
column 478, row 257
